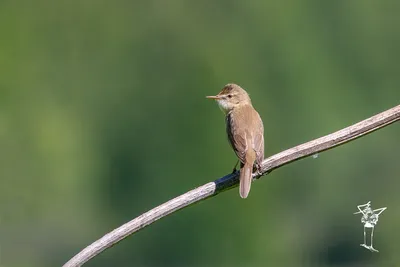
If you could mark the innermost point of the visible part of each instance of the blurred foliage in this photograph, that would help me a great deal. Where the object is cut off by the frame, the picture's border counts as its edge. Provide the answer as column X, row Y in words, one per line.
column 103, row 116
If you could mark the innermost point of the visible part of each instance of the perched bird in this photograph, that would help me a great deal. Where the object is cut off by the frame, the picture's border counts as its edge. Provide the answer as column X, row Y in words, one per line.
column 245, row 131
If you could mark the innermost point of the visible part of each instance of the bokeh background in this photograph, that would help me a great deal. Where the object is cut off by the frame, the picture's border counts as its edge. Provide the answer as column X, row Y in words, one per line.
column 103, row 117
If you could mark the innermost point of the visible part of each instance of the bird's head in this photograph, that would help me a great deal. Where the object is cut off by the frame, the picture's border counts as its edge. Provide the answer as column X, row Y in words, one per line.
column 231, row 96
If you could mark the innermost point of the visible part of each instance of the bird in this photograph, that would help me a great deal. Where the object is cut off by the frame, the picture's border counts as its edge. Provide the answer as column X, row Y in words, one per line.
column 245, row 131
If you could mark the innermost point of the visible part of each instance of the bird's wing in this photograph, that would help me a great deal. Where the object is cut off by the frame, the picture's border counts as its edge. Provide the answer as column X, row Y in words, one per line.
column 258, row 144
column 237, row 137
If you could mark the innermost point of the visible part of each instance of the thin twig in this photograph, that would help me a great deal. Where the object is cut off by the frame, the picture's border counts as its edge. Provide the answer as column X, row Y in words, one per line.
column 229, row 181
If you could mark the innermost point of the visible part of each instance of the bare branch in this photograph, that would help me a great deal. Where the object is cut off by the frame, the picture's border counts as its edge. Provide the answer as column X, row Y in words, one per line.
column 229, row 181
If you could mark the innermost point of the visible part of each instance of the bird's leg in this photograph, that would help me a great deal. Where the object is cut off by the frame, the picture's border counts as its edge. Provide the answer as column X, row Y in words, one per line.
column 372, row 239
column 365, row 241
column 234, row 168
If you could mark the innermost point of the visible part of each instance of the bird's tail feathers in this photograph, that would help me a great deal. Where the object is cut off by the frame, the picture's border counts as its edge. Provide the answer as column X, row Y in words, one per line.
column 246, row 173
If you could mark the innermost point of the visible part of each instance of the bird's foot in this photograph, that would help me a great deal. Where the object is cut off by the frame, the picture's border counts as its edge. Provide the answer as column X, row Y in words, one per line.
column 370, row 248
column 257, row 170
column 373, row 250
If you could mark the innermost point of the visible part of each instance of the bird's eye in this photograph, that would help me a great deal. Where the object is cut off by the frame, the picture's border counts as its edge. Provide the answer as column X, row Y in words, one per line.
column 229, row 96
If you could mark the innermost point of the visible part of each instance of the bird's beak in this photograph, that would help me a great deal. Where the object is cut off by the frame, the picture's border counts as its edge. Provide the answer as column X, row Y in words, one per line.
column 216, row 97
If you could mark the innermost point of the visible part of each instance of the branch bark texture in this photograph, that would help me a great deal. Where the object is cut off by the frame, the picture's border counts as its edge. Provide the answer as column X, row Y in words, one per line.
column 229, row 181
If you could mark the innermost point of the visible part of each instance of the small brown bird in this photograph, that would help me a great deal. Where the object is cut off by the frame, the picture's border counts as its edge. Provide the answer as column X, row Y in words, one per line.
column 245, row 131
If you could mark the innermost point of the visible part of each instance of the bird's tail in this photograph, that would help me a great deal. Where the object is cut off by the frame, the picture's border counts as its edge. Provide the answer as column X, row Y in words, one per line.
column 246, row 173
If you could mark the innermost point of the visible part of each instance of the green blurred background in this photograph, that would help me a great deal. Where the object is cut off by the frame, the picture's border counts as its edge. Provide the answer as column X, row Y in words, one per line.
column 103, row 117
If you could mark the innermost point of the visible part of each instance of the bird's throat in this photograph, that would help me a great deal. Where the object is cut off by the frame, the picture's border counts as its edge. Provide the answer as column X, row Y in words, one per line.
column 224, row 106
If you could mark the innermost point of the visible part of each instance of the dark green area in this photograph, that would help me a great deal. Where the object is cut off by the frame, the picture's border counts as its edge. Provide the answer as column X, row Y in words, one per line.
column 103, row 116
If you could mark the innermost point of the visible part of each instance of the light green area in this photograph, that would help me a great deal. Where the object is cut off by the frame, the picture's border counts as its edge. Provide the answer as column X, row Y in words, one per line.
column 103, row 116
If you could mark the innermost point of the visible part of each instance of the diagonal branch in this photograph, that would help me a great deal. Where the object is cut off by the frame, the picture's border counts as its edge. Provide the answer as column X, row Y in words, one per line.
column 229, row 181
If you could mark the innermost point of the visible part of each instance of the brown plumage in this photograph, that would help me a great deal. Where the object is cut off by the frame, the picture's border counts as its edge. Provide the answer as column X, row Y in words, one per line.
column 245, row 131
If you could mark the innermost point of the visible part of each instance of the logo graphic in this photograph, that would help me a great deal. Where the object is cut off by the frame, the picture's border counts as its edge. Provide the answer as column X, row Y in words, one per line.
column 369, row 219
